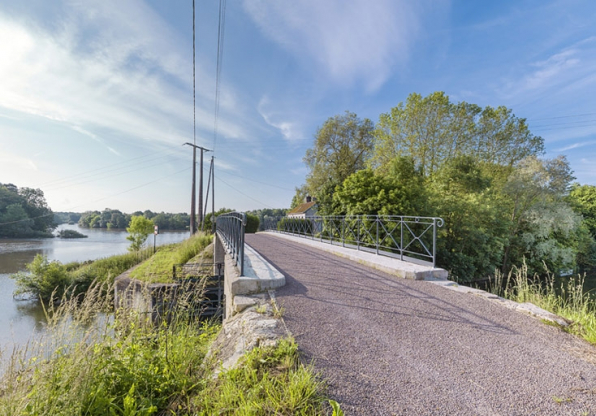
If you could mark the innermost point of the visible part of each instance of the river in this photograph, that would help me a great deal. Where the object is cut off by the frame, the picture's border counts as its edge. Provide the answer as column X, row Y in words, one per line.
column 21, row 319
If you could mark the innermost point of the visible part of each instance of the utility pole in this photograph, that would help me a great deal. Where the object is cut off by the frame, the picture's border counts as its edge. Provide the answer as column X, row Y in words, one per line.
column 192, row 225
column 207, row 194
column 213, row 194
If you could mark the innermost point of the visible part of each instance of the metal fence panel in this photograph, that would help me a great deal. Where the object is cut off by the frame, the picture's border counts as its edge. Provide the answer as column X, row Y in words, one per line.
column 405, row 237
column 230, row 228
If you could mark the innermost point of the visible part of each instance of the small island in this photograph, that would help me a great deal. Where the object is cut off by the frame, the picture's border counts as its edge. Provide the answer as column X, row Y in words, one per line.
column 70, row 234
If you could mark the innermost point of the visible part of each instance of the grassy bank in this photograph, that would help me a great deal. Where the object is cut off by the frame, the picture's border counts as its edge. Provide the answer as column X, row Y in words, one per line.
column 568, row 299
column 89, row 365
column 158, row 269
column 45, row 278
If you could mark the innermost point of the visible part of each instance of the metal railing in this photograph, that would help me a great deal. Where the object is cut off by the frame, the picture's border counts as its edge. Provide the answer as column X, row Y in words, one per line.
column 230, row 228
column 408, row 238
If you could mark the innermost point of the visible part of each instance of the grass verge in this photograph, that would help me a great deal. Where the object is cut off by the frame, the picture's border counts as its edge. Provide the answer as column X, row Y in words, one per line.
column 158, row 269
column 566, row 299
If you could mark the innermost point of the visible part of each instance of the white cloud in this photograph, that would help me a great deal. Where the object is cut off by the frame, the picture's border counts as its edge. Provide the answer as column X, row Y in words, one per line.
column 350, row 41
column 114, row 67
column 576, row 146
column 8, row 159
column 289, row 129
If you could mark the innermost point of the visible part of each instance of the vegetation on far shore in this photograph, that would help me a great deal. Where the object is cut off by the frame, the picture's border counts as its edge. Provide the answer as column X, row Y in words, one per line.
column 24, row 213
column 71, row 234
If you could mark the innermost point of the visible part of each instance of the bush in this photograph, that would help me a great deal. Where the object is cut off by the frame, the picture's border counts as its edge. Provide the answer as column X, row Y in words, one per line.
column 44, row 278
column 71, row 234
column 252, row 224
column 296, row 225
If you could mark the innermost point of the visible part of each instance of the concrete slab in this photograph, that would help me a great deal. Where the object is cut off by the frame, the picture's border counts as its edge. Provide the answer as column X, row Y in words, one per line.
column 389, row 265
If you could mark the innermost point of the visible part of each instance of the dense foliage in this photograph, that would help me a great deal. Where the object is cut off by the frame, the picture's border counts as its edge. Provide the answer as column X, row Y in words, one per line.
column 113, row 218
column 24, row 212
column 481, row 170
column 267, row 214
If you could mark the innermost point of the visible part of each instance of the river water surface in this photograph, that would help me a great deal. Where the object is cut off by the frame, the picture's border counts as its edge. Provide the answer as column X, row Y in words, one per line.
column 21, row 319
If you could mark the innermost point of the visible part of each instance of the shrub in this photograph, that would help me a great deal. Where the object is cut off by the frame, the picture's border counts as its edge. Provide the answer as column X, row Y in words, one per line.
column 252, row 224
column 44, row 278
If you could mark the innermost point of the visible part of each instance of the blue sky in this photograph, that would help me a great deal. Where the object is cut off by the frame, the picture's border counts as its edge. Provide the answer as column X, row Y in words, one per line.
column 96, row 96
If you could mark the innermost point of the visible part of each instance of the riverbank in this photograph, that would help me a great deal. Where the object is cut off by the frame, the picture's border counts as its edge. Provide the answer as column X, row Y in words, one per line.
column 127, row 366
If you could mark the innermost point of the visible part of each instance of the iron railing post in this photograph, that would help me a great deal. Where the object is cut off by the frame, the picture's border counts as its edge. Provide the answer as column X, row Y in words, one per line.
column 358, row 237
column 242, row 244
column 401, row 238
column 377, row 239
column 434, row 241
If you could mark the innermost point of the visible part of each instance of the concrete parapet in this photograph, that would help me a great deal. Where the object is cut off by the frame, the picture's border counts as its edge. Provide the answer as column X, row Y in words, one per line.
column 259, row 276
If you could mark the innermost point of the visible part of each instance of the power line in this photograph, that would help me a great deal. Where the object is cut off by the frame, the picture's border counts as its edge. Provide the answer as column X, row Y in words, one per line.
column 101, row 199
column 104, row 175
column 240, row 192
column 88, row 172
column 220, row 48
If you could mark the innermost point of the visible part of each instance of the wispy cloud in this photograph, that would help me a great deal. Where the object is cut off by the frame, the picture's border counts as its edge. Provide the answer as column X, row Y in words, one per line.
column 289, row 129
column 351, row 41
column 109, row 66
column 576, row 146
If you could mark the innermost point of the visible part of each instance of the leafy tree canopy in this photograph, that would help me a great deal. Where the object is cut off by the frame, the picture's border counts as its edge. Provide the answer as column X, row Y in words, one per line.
column 433, row 130
column 342, row 146
column 24, row 212
column 138, row 230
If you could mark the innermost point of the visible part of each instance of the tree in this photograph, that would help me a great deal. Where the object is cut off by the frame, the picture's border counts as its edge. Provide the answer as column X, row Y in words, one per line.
column 342, row 146
column 540, row 219
column 138, row 230
column 433, row 130
column 300, row 195
column 37, row 209
column 470, row 243
column 15, row 222
column 583, row 199
column 399, row 193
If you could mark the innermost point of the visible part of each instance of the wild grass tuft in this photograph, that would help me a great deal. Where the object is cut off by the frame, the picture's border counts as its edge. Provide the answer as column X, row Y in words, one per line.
column 567, row 299
column 272, row 381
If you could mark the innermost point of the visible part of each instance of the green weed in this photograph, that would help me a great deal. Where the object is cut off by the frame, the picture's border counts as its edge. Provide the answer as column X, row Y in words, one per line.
column 566, row 299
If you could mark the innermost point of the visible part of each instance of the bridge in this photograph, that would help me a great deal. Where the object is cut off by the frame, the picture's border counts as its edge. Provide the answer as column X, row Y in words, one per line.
column 419, row 345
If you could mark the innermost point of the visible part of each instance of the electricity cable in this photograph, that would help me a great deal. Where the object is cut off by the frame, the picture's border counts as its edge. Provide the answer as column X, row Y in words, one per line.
column 101, row 199
column 219, row 64
column 240, row 192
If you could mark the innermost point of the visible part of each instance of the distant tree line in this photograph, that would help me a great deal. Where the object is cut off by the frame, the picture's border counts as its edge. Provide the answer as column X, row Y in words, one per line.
column 113, row 218
column 481, row 169
column 24, row 212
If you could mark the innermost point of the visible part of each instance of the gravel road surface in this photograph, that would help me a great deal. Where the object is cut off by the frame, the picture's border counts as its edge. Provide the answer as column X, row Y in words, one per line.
column 389, row 346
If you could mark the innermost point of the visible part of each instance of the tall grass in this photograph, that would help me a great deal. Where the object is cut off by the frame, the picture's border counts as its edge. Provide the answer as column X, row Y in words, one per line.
column 92, row 363
column 567, row 299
